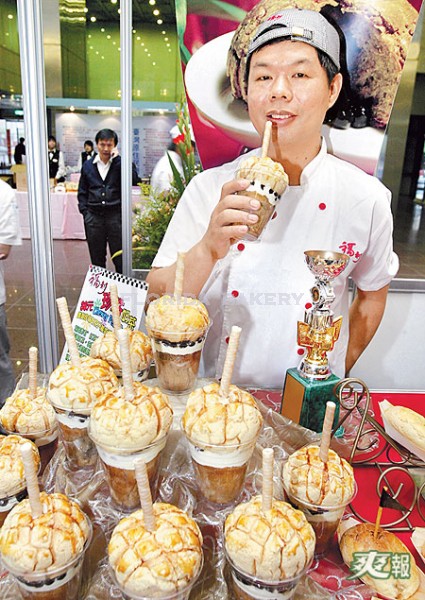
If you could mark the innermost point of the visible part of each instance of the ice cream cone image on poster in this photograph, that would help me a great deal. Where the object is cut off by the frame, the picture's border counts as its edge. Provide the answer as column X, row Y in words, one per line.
column 268, row 181
column 177, row 326
column 107, row 346
column 321, row 484
column 72, row 390
column 43, row 541
column 128, row 424
column 155, row 552
column 268, row 544
column 222, row 424
column 28, row 413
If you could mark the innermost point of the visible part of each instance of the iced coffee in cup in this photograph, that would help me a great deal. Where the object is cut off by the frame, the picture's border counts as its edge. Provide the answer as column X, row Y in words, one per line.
column 320, row 483
column 45, row 553
column 221, row 432
column 107, row 346
column 158, row 561
column 13, row 486
column 268, row 181
column 321, row 490
column 125, row 430
column 32, row 417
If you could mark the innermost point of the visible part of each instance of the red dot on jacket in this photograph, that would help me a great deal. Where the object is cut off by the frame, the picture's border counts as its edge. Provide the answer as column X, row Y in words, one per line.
column 227, row 340
column 235, row 293
column 322, row 206
column 241, row 247
column 300, row 351
column 308, row 305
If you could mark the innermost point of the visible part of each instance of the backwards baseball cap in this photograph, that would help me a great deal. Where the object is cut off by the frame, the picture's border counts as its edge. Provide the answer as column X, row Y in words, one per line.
column 299, row 25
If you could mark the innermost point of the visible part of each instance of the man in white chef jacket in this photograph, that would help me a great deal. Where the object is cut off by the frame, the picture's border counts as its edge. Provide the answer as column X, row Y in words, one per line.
column 292, row 80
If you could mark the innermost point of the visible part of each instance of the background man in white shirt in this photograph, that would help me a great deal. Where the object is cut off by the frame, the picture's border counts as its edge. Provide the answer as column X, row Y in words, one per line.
column 9, row 236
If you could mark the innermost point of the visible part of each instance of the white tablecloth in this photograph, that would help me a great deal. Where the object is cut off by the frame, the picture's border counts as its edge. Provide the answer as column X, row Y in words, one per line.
column 67, row 222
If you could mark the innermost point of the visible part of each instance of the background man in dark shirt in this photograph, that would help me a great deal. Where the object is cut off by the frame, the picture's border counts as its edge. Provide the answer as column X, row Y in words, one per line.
column 99, row 199
column 20, row 151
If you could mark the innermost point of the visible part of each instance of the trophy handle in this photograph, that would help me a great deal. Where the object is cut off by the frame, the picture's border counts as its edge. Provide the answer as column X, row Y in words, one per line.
column 337, row 324
column 303, row 334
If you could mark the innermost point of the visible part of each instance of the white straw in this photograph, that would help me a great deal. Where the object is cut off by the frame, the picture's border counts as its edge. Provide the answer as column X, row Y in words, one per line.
column 268, row 460
column 32, row 371
column 145, row 493
column 229, row 361
column 327, row 431
column 31, row 479
column 68, row 331
column 178, row 283
column 115, row 307
column 127, row 375
column 266, row 139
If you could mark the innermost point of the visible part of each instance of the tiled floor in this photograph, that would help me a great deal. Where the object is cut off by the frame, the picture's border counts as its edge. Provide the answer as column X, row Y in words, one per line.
column 71, row 260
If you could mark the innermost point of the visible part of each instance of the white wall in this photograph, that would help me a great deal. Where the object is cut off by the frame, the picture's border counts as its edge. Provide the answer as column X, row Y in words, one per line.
column 395, row 359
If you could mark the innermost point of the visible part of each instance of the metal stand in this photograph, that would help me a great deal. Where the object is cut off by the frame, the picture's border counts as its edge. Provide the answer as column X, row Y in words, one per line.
column 367, row 450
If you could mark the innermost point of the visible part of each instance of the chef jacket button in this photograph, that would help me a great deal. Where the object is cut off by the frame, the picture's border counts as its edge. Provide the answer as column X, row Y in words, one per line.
column 308, row 305
column 103, row 202
column 322, row 206
column 103, row 194
column 227, row 340
column 235, row 293
column 300, row 351
column 241, row 247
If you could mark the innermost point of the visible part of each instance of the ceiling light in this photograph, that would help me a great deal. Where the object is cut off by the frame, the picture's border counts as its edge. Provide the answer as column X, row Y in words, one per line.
column 138, row 38
column 154, row 64
column 142, row 44
column 72, row 108
column 156, row 12
column 166, row 39
column 168, row 45
column 89, row 35
column 86, row 10
column 159, row 21
column 10, row 16
column 152, row 2
column 163, row 32
column 108, row 37
column 134, row 31
column 149, row 55
column 102, row 29
column 119, row 11
column 113, row 1
column 93, row 19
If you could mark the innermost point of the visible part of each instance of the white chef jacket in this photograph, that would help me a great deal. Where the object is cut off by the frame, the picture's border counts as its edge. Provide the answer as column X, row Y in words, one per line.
column 264, row 286
column 162, row 175
column 10, row 232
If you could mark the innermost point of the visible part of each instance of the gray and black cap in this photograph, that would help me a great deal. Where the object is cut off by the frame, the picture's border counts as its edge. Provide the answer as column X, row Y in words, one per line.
column 299, row 25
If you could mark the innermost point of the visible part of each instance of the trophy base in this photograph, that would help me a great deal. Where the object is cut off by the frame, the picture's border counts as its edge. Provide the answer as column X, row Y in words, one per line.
column 304, row 400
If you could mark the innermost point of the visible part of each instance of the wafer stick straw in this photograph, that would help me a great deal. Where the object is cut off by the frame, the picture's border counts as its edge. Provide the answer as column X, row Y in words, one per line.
column 145, row 493
column 229, row 361
column 327, row 431
column 178, row 283
column 31, row 479
column 266, row 139
column 268, row 460
column 115, row 307
column 32, row 371
column 127, row 375
column 68, row 331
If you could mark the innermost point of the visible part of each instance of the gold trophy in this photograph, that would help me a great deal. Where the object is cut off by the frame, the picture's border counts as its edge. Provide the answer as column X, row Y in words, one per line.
column 310, row 386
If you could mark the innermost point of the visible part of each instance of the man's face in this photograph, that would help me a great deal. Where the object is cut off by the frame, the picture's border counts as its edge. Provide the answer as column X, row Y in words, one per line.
column 288, row 86
column 51, row 144
column 104, row 148
column 87, row 148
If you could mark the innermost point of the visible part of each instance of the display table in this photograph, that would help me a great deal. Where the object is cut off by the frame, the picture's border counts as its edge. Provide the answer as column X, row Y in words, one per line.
column 67, row 222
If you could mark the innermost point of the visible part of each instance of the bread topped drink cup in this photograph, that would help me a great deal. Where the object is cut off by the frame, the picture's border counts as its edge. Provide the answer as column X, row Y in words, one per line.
column 320, row 488
column 13, row 486
column 127, row 424
column 155, row 552
column 268, row 544
column 177, row 326
column 28, row 413
column 73, row 388
column 42, row 543
column 268, row 181
column 222, row 424
column 107, row 346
